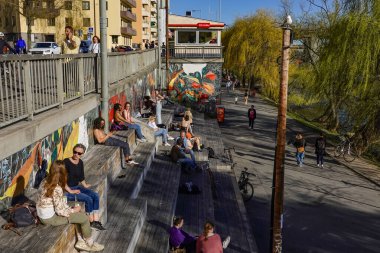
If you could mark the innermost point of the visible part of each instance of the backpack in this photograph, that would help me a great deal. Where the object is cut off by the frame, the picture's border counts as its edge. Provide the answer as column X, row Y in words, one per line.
column 21, row 215
column 40, row 175
column 211, row 153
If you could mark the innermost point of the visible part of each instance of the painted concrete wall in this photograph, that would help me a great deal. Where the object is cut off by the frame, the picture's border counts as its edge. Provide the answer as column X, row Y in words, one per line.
column 194, row 81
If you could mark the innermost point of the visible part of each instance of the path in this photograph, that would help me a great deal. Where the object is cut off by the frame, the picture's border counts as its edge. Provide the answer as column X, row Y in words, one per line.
column 326, row 210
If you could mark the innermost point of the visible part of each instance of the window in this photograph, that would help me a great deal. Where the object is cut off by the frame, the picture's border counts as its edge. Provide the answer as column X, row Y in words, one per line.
column 68, row 5
column 208, row 37
column 50, row 4
column 51, row 21
column 68, row 21
column 187, row 37
column 86, row 22
column 115, row 39
column 106, row 5
column 85, row 5
column 106, row 22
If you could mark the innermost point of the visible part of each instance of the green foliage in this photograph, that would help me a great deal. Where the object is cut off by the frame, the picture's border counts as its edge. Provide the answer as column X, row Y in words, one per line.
column 252, row 46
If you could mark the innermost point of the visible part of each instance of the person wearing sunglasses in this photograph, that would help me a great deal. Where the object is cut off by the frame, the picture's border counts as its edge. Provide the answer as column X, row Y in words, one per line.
column 78, row 189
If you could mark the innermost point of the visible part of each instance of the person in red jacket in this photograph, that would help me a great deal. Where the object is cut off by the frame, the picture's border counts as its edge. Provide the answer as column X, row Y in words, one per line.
column 251, row 116
column 210, row 242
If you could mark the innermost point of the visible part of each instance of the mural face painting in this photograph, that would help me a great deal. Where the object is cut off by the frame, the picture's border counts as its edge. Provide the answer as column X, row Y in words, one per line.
column 194, row 82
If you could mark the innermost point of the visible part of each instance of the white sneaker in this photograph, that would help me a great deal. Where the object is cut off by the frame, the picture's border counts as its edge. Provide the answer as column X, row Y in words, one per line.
column 170, row 138
column 322, row 165
column 131, row 162
column 82, row 245
column 226, row 242
column 141, row 140
column 166, row 144
column 318, row 165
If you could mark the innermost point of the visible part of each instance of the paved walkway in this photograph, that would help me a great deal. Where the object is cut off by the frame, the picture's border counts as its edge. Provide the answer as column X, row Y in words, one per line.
column 326, row 210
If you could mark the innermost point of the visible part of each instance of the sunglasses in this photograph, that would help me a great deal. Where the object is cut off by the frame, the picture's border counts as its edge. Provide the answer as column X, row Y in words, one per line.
column 77, row 153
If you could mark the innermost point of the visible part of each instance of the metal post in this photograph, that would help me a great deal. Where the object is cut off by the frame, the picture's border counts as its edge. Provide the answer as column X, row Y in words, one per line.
column 104, row 61
column 159, row 30
column 278, row 172
column 167, row 41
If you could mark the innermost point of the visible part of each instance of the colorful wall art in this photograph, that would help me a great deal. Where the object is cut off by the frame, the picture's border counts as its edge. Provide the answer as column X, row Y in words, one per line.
column 192, row 82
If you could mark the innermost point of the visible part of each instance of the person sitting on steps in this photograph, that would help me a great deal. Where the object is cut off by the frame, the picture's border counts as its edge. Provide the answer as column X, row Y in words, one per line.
column 187, row 145
column 106, row 139
column 210, row 242
column 78, row 189
column 179, row 239
column 159, row 131
column 178, row 156
column 118, row 120
column 53, row 210
column 128, row 120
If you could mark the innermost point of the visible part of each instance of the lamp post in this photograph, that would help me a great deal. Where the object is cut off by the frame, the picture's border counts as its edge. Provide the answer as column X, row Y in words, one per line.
column 278, row 172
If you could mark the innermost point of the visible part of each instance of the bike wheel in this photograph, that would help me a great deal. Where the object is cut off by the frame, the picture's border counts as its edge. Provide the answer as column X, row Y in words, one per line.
column 338, row 150
column 350, row 154
column 246, row 191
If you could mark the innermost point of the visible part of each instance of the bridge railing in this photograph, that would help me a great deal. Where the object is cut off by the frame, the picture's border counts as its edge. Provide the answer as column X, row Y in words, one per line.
column 30, row 84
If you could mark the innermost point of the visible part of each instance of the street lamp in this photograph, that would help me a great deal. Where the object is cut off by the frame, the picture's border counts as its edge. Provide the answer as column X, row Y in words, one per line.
column 278, row 171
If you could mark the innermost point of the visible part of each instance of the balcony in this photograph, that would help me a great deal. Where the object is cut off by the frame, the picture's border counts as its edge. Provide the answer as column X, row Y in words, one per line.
column 153, row 1
column 145, row 25
column 128, row 31
column 145, row 13
column 130, row 3
column 200, row 52
column 128, row 15
column 153, row 19
column 145, row 2
column 153, row 9
column 153, row 29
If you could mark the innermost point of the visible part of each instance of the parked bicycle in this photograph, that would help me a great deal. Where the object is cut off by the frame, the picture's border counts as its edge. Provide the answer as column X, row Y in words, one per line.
column 245, row 187
column 347, row 148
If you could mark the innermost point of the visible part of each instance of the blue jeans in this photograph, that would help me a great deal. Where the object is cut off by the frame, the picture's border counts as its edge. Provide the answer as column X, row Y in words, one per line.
column 118, row 143
column 163, row 132
column 191, row 152
column 187, row 163
column 300, row 156
column 89, row 197
column 137, row 128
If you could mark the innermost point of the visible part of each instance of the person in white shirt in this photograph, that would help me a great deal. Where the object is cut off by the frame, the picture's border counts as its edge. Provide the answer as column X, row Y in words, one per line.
column 95, row 45
column 160, row 131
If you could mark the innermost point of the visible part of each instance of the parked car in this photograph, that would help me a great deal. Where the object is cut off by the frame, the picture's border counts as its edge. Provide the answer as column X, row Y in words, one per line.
column 45, row 48
column 123, row 49
column 85, row 46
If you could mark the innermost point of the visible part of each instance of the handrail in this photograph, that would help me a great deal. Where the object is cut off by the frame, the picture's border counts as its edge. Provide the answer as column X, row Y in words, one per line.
column 30, row 84
column 196, row 51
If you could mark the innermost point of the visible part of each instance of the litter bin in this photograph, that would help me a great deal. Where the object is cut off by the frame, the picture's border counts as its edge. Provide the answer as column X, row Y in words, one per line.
column 220, row 114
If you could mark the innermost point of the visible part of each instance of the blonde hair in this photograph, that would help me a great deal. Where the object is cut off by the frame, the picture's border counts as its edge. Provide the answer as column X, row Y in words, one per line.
column 151, row 118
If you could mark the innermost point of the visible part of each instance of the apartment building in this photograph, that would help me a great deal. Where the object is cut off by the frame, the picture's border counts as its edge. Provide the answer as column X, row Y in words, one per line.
column 147, row 25
column 52, row 16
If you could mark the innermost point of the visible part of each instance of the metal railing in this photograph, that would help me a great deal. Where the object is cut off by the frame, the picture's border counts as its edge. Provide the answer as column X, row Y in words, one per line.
column 196, row 52
column 32, row 84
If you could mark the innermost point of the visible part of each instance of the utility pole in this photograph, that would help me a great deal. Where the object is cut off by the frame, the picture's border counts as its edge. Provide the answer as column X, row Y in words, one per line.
column 104, row 61
column 167, row 41
column 278, row 172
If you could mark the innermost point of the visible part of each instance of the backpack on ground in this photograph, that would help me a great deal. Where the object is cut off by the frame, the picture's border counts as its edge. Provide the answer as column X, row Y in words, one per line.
column 211, row 153
column 21, row 215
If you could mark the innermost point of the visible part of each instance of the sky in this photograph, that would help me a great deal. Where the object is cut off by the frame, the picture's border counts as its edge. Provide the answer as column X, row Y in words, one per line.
column 231, row 9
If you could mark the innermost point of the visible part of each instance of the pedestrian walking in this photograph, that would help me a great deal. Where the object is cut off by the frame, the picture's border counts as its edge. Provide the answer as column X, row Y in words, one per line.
column 95, row 45
column 21, row 45
column 251, row 116
column 246, row 97
column 300, row 144
column 320, row 149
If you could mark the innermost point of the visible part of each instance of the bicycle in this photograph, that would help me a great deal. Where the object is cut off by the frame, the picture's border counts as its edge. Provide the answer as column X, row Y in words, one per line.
column 347, row 148
column 245, row 187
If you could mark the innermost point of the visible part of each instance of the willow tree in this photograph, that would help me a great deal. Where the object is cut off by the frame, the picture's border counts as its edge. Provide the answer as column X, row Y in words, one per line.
column 252, row 47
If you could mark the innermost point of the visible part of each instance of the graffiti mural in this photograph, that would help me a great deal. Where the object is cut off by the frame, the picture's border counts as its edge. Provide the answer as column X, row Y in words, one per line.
column 193, row 82
column 134, row 94
column 22, row 166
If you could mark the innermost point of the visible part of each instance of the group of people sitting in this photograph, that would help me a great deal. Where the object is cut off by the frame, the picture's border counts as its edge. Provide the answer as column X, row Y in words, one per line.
column 207, row 242
column 66, row 181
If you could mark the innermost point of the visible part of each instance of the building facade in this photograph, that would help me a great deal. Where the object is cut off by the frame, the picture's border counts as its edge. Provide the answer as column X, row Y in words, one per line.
column 51, row 16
